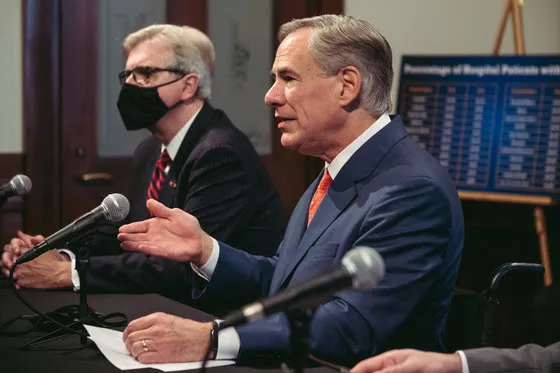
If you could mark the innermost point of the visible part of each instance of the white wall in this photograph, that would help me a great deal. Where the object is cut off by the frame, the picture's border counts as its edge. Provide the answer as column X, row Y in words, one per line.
column 457, row 26
column 242, row 34
column 411, row 26
column 10, row 77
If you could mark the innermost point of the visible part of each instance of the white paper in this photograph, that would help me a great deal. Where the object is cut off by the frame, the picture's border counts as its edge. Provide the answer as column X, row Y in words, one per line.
column 111, row 345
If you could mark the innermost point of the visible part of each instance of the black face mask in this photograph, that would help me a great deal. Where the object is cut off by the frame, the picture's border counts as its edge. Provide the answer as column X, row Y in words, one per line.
column 141, row 107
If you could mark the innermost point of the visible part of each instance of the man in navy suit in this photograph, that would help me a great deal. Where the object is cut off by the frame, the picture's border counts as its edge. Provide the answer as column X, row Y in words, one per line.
column 379, row 188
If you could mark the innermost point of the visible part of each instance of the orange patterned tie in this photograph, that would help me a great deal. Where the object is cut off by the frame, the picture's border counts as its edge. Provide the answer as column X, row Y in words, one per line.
column 320, row 193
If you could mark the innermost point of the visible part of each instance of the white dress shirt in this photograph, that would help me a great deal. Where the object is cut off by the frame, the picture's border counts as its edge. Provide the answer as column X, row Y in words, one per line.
column 228, row 339
column 464, row 363
column 172, row 149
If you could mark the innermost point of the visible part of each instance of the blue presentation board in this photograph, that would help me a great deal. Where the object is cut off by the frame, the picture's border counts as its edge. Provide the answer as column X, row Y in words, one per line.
column 493, row 122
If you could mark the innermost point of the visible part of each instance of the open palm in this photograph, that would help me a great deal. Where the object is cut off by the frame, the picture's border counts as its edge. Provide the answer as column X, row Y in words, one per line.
column 171, row 233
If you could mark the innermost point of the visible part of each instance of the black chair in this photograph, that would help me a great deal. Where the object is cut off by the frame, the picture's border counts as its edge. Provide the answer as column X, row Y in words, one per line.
column 503, row 315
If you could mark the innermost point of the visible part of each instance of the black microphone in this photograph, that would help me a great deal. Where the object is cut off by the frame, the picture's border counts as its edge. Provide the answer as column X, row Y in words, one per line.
column 114, row 208
column 361, row 268
column 18, row 186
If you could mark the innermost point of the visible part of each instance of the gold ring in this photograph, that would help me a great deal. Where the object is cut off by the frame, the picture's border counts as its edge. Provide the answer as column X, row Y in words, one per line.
column 144, row 346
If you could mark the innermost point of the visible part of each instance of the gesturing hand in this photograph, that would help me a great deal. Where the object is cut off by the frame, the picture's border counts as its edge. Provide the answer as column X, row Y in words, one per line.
column 171, row 234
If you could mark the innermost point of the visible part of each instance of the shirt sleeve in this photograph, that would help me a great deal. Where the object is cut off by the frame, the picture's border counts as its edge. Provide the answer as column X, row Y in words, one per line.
column 75, row 275
column 464, row 363
column 207, row 270
column 228, row 344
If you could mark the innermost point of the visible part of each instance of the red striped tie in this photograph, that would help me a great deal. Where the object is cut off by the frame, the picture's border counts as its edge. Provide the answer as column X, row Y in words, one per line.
column 158, row 176
column 320, row 193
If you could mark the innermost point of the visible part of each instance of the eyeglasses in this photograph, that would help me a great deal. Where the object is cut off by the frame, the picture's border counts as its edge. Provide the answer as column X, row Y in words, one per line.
column 141, row 74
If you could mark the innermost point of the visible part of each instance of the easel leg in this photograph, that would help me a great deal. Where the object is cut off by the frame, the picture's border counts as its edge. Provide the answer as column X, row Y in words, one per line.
column 518, row 38
column 513, row 7
column 540, row 227
column 501, row 28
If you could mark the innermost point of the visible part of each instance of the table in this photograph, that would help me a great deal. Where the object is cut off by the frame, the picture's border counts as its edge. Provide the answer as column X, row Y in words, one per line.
column 87, row 360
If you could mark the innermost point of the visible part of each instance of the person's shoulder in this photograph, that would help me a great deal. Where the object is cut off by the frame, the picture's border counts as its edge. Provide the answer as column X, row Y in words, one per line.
column 415, row 161
column 221, row 122
column 147, row 146
column 222, row 132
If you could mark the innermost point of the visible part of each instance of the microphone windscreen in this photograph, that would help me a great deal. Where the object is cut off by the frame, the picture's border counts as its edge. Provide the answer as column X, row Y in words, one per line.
column 366, row 266
column 21, row 184
column 116, row 207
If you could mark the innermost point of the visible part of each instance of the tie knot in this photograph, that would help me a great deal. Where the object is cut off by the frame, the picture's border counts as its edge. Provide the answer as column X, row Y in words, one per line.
column 325, row 182
column 164, row 159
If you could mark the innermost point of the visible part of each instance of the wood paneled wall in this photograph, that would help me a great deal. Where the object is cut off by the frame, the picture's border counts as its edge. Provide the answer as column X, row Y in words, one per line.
column 41, row 117
column 11, row 214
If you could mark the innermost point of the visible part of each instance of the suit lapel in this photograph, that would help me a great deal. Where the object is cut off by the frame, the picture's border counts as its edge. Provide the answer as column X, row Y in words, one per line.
column 341, row 193
column 154, row 152
column 198, row 128
column 193, row 137
column 168, row 189
column 294, row 232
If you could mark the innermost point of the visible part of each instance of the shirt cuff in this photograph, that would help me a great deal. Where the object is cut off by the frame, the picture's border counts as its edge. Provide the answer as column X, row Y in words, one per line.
column 464, row 363
column 75, row 275
column 207, row 270
column 228, row 344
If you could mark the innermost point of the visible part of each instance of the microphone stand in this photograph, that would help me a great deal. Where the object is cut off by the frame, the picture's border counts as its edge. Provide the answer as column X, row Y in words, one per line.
column 82, row 265
column 299, row 337
column 85, row 315
column 299, row 321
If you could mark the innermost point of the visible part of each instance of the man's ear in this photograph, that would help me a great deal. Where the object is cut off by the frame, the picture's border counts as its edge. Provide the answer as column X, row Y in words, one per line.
column 351, row 83
column 190, row 87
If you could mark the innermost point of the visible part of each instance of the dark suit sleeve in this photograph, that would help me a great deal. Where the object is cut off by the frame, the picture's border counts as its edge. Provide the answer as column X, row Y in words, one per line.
column 527, row 359
column 219, row 193
column 409, row 225
column 234, row 271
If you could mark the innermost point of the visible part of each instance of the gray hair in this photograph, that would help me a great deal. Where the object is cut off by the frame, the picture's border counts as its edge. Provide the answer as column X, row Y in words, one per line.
column 337, row 41
column 191, row 51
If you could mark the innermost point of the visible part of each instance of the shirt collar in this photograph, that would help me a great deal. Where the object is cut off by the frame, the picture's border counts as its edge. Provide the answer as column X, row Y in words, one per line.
column 340, row 160
column 177, row 140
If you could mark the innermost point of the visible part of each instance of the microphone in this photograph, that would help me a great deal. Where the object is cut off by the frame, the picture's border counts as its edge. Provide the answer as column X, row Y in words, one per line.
column 114, row 208
column 361, row 268
column 18, row 186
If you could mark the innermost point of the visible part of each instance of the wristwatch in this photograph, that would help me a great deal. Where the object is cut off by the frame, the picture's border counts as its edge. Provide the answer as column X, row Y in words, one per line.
column 214, row 339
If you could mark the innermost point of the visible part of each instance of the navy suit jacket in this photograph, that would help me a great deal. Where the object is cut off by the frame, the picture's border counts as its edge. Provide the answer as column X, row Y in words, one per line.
column 218, row 177
column 391, row 195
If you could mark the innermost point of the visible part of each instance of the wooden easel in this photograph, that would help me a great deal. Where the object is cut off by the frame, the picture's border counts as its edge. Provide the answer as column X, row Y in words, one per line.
column 513, row 8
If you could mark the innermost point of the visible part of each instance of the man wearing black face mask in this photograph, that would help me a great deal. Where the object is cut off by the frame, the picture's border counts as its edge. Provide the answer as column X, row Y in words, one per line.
column 195, row 160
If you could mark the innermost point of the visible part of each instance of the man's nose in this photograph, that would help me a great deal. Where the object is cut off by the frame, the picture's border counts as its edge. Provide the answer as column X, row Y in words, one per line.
column 130, row 79
column 274, row 96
